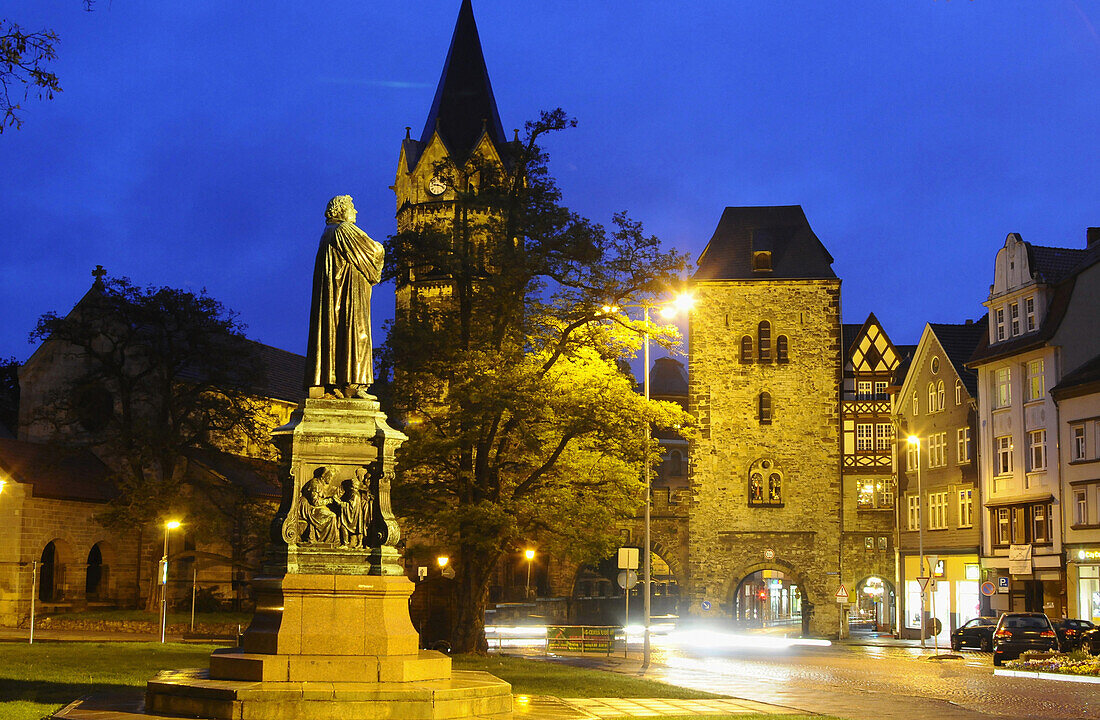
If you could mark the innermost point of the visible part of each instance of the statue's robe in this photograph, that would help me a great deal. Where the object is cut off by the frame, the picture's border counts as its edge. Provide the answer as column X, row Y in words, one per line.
column 348, row 263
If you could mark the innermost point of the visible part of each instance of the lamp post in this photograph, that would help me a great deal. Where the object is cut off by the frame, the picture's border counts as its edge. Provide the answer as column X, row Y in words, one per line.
column 530, row 555
column 914, row 441
column 168, row 526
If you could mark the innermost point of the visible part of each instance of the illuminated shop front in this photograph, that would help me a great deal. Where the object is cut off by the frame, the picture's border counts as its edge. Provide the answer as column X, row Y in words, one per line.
column 1083, row 573
column 957, row 597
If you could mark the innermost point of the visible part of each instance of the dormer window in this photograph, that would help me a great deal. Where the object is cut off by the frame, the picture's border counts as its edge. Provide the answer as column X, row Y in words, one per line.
column 762, row 261
column 999, row 315
column 1014, row 315
column 1029, row 312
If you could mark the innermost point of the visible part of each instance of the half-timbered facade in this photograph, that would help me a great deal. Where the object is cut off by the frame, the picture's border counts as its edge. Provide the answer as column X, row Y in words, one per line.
column 867, row 538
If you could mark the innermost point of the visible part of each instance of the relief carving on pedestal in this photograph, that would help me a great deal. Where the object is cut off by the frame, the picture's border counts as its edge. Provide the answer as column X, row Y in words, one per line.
column 346, row 513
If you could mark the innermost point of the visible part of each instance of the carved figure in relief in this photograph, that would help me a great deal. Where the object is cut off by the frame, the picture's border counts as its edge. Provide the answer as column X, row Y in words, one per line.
column 356, row 508
column 348, row 264
column 317, row 511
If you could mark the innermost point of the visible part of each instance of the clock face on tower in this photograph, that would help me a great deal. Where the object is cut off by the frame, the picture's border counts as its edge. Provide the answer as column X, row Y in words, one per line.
column 436, row 186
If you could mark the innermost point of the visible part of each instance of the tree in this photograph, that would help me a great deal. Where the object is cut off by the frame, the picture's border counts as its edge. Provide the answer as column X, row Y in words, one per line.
column 24, row 57
column 158, row 373
column 522, row 423
column 9, row 395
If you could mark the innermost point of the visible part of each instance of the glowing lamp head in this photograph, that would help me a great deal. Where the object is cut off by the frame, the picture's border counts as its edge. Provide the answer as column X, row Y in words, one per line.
column 172, row 524
column 529, row 554
column 442, row 561
column 2, row 484
column 913, row 440
column 682, row 303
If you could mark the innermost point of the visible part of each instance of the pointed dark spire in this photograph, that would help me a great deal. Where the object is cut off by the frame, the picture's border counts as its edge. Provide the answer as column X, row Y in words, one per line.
column 464, row 105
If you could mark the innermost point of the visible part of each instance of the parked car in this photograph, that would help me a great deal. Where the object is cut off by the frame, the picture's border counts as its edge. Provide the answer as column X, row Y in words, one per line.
column 1090, row 640
column 1018, row 632
column 1070, row 632
column 975, row 633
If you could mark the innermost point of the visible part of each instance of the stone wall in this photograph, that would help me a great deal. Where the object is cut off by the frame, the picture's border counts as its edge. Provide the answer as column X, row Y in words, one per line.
column 729, row 538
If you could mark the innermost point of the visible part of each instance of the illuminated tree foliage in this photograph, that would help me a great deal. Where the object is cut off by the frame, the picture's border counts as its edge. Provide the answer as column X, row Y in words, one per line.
column 523, row 423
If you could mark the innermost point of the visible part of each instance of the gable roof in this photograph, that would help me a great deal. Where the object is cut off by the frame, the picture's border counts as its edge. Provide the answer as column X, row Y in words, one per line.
column 57, row 472
column 284, row 374
column 958, row 341
column 464, row 106
column 782, row 230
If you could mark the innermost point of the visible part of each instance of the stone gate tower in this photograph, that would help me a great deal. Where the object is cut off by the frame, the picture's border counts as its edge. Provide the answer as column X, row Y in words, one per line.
column 765, row 373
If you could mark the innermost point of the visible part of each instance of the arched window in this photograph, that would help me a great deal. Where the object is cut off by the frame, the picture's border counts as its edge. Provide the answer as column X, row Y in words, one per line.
column 765, row 484
column 781, row 349
column 914, row 403
column 746, row 349
column 93, row 577
column 765, row 409
column 931, row 397
column 958, row 392
column 764, row 341
column 939, row 395
column 675, row 463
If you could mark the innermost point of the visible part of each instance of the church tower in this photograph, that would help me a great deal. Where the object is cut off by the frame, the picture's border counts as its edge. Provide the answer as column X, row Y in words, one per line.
column 463, row 129
column 765, row 373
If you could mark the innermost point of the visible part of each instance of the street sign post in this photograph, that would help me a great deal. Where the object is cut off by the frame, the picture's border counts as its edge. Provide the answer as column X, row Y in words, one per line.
column 628, row 558
column 842, row 594
column 989, row 589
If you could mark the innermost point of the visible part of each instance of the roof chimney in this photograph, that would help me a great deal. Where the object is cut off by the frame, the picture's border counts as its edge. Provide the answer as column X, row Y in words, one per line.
column 1092, row 236
column 969, row 321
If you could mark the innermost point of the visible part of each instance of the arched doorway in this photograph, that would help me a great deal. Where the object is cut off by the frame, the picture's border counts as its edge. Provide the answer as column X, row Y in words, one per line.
column 48, row 574
column 766, row 598
column 873, row 606
column 94, row 574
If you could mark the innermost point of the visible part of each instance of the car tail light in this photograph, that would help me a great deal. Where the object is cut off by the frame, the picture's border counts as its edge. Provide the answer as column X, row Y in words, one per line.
column 1070, row 631
column 1003, row 634
column 1047, row 633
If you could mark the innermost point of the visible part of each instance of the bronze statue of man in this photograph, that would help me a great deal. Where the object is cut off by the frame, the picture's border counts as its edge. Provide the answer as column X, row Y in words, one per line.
column 349, row 262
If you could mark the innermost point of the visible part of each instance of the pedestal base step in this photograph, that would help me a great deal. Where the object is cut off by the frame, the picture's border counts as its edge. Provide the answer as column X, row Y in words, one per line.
column 191, row 693
column 233, row 664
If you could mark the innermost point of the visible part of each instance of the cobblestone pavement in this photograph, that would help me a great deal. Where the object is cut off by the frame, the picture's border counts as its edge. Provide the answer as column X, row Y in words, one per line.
column 863, row 682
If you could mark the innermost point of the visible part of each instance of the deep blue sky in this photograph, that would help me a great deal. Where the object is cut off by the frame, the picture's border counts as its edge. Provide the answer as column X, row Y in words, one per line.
column 196, row 143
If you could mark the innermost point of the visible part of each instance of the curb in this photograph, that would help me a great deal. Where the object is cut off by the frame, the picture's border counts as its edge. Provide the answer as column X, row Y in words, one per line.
column 1064, row 677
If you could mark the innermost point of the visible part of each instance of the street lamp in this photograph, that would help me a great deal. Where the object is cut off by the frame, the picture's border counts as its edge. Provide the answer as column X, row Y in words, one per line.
column 442, row 561
column 530, row 555
column 681, row 303
column 168, row 526
column 914, row 441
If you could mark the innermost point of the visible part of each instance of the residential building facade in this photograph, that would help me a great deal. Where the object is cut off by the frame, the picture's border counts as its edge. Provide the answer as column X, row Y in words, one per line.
column 939, row 507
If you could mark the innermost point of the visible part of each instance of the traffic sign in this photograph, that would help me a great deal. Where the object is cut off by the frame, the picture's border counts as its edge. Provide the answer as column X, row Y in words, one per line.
column 627, row 579
column 989, row 589
column 628, row 558
column 769, row 554
column 1002, row 584
column 923, row 581
column 842, row 594
column 706, row 604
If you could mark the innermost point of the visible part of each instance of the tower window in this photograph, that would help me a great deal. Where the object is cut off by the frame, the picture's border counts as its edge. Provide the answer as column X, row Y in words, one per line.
column 762, row 261
column 746, row 349
column 781, row 349
column 764, row 341
column 765, row 409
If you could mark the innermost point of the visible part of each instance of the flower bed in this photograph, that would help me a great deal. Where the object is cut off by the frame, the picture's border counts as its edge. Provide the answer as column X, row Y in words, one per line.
column 1075, row 663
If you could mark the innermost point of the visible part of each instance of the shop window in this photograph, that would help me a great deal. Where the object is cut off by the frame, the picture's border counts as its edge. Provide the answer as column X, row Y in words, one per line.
column 746, row 349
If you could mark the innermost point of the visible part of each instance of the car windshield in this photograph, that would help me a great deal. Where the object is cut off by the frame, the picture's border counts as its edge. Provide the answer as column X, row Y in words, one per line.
column 1027, row 623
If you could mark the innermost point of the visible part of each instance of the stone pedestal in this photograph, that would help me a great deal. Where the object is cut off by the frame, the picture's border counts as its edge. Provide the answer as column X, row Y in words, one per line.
column 331, row 637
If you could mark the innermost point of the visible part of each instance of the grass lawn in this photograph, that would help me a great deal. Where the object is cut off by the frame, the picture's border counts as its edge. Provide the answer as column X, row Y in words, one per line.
column 36, row 680
column 535, row 677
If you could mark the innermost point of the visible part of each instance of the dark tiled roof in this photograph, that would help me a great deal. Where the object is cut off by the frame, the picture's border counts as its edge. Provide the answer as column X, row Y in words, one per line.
column 1054, row 264
column 257, row 478
column 959, row 341
column 782, row 230
column 57, row 472
column 284, row 374
column 464, row 106
column 848, row 334
column 1086, row 374
column 668, row 378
